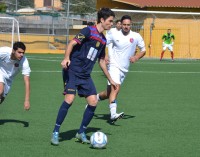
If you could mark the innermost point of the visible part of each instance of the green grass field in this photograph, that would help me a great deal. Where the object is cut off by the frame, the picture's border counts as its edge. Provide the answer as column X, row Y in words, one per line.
column 160, row 100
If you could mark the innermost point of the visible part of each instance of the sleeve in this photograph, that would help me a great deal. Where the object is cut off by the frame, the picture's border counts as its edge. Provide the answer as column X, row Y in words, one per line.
column 109, row 37
column 82, row 35
column 163, row 37
column 173, row 36
column 103, row 52
column 141, row 43
column 26, row 70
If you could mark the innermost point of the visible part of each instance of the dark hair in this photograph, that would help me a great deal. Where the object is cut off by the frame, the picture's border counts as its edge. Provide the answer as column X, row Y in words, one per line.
column 19, row 44
column 125, row 17
column 117, row 21
column 104, row 13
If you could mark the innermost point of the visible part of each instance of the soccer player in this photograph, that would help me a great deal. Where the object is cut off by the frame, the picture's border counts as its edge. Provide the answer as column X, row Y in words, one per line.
column 123, row 53
column 80, row 56
column 117, row 28
column 168, row 42
column 12, row 60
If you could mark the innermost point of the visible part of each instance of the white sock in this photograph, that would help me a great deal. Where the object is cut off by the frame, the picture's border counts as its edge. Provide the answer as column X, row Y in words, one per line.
column 98, row 97
column 113, row 109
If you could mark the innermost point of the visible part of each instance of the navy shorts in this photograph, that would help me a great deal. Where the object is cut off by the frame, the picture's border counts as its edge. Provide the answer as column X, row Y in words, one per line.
column 84, row 86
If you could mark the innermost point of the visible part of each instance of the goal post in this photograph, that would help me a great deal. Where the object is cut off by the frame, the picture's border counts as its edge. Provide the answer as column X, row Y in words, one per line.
column 9, row 31
column 153, row 24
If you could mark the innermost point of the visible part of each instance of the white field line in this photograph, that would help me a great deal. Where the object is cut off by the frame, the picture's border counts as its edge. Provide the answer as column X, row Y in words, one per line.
column 54, row 59
column 151, row 72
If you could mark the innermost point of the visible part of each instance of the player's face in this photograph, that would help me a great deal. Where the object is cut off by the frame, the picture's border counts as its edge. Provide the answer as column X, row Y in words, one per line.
column 126, row 26
column 18, row 54
column 118, row 25
column 107, row 24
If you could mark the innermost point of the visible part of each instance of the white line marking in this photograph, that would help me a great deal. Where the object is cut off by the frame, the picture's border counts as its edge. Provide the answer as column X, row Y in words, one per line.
column 154, row 72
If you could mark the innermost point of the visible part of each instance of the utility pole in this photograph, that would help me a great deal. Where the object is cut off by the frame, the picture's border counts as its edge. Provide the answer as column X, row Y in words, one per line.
column 67, row 38
column 53, row 17
column 16, row 3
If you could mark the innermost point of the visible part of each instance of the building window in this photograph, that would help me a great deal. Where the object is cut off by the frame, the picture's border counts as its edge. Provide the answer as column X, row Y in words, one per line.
column 47, row 3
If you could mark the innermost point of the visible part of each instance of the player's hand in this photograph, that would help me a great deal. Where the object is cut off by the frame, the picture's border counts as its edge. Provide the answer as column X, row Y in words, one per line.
column 65, row 63
column 107, row 59
column 115, row 85
column 163, row 43
column 27, row 105
column 172, row 43
column 133, row 59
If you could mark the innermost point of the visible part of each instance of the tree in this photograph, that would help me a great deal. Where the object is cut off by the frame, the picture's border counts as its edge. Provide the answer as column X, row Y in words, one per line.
column 3, row 7
column 20, row 4
column 81, row 7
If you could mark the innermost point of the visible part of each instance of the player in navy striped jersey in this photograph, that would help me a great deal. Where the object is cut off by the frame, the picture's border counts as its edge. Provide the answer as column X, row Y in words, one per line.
column 80, row 56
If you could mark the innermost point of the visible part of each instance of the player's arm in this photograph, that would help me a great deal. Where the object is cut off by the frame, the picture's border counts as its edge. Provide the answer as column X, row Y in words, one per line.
column 102, row 63
column 66, row 61
column 27, row 92
column 173, row 38
column 142, row 52
column 78, row 39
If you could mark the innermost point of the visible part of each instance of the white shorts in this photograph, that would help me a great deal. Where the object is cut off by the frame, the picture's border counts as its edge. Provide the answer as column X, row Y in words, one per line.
column 116, row 74
column 169, row 46
column 6, row 86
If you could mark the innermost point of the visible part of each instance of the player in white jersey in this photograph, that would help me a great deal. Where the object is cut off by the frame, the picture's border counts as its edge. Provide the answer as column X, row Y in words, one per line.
column 12, row 60
column 117, row 28
column 123, row 53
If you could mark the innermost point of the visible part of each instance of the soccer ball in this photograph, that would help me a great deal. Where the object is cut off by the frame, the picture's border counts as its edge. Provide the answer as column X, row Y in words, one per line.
column 98, row 140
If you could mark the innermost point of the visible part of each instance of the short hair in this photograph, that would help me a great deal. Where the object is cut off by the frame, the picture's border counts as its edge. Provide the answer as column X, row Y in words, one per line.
column 19, row 44
column 117, row 21
column 125, row 17
column 104, row 13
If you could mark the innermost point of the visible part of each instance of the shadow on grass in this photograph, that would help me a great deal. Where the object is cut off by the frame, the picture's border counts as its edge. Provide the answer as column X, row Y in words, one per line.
column 3, row 121
column 68, row 135
column 106, row 117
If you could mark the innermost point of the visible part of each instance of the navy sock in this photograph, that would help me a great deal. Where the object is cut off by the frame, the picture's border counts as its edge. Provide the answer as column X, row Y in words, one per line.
column 61, row 115
column 87, row 117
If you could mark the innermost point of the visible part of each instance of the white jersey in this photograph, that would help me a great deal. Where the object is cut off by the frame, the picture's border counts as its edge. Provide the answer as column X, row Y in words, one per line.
column 111, row 31
column 123, row 48
column 10, row 68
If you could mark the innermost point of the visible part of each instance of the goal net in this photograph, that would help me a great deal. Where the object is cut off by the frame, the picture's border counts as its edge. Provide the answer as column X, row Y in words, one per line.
column 153, row 24
column 9, row 31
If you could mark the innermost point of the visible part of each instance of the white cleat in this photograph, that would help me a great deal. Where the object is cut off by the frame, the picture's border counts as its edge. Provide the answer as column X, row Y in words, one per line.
column 117, row 116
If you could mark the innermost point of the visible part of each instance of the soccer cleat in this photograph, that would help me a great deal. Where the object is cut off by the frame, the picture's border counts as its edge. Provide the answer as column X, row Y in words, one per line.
column 55, row 138
column 82, row 138
column 116, row 117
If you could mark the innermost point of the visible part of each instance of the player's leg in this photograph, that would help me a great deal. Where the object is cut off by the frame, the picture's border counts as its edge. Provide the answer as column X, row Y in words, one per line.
column 65, row 78
column 163, row 51
column 89, row 91
column 1, row 92
column 4, row 88
column 66, row 104
column 118, row 76
column 104, row 94
column 171, row 51
column 114, row 116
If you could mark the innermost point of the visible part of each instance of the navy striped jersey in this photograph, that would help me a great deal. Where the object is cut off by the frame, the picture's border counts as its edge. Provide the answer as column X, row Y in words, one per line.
column 90, row 47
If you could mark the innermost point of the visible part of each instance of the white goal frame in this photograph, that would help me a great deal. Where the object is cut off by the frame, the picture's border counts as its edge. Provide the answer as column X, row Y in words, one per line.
column 15, row 28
